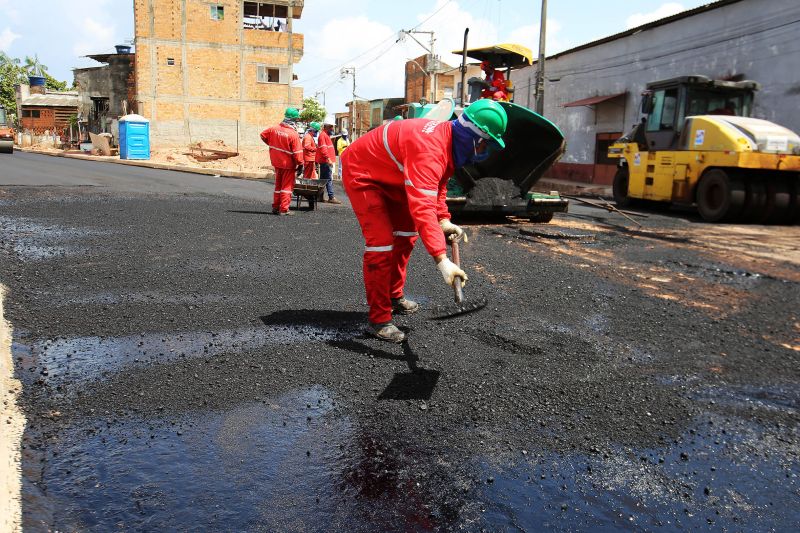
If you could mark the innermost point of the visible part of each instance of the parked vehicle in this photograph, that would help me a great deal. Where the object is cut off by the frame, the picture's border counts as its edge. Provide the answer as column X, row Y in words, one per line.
column 6, row 133
column 697, row 145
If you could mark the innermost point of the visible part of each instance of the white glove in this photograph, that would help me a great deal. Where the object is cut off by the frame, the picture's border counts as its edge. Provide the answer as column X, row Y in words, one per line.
column 450, row 270
column 451, row 229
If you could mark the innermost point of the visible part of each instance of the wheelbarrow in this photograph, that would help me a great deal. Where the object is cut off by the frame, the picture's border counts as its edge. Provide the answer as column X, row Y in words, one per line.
column 311, row 190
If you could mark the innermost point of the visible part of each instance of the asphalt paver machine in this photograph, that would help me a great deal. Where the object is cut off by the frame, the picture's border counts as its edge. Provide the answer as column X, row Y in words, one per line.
column 501, row 185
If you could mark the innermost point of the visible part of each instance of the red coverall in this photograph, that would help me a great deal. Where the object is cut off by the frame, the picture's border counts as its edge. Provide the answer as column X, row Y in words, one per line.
column 325, row 153
column 396, row 179
column 309, row 156
column 497, row 80
column 285, row 153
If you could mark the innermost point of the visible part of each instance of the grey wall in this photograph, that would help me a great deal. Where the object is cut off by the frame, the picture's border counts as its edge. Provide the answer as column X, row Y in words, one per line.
column 759, row 39
column 110, row 81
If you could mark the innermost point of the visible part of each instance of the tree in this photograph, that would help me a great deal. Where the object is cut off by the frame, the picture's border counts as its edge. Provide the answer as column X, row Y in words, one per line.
column 6, row 59
column 10, row 74
column 312, row 111
column 34, row 67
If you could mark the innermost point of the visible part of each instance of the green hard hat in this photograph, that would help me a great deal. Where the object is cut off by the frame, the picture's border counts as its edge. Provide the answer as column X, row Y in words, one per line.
column 315, row 126
column 291, row 112
column 398, row 117
column 490, row 117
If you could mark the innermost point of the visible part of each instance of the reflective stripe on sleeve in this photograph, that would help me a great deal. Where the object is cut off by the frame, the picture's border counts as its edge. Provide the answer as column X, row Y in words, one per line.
column 405, row 233
column 389, row 150
column 378, row 248
column 284, row 191
column 281, row 149
column 426, row 192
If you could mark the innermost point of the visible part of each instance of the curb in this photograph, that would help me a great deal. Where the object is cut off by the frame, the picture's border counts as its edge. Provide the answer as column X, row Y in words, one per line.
column 236, row 174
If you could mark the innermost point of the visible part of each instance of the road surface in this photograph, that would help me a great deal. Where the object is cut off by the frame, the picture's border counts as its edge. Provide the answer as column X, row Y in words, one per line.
column 190, row 361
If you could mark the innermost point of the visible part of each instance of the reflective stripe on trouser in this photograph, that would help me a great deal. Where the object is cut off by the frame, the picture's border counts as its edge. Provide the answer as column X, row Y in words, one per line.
column 310, row 170
column 389, row 233
column 284, row 185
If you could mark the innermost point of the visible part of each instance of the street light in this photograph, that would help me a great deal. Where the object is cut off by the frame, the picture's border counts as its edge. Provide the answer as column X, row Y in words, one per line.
column 401, row 37
column 351, row 71
column 424, row 72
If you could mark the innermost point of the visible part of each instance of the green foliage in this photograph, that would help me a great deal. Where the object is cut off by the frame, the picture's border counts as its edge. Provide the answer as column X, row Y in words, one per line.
column 13, row 71
column 312, row 111
column 34, row 67
column 10, row 74
column 53, row 84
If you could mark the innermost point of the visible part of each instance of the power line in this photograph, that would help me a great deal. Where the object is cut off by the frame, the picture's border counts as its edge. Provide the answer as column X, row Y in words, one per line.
column 392, row 36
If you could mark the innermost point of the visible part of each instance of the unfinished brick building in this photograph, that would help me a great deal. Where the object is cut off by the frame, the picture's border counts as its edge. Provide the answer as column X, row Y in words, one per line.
column 215, row 70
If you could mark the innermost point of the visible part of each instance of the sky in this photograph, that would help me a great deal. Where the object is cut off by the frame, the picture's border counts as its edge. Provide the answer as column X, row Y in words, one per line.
column 340, row 33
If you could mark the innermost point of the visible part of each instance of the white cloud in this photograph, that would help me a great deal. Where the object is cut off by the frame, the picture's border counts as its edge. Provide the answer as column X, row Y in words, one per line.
column 7, row 37
column 665, row 10
column 94, row 37
column 529, row 36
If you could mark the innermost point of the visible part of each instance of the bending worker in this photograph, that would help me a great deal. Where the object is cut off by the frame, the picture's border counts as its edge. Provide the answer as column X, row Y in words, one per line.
column 286, row 155
column 396, row 179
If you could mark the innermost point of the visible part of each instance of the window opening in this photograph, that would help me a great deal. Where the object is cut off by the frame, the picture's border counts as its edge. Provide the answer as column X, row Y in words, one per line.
column 170, row 61
column 271, row 74
column 264, row 16
column 217, row 12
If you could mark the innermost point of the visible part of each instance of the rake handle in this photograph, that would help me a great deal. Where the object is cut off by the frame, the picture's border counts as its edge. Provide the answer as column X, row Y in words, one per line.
column 457, row 291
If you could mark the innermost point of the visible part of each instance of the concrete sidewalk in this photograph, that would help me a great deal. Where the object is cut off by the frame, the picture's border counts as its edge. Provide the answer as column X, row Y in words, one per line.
column 565, row 187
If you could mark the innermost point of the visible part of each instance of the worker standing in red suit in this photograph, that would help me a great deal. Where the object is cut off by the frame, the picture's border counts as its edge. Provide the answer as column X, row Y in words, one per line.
column 326, row 157
column 286, row 155
column 396, row 179
column 497, row 83
column 310, row 151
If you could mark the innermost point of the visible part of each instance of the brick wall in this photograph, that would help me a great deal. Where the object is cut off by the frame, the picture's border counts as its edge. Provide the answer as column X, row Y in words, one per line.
column 194, row 72
column 52, row 119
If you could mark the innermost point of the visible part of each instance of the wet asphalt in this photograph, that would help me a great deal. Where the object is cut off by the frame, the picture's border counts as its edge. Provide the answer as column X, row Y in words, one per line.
column 192, row 362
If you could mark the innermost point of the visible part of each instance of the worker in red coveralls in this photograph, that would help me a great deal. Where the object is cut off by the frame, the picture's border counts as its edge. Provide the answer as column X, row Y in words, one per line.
column 326, row 157
column 286, row 155
column 396, row 179
column 496, row 89
column 310, row 151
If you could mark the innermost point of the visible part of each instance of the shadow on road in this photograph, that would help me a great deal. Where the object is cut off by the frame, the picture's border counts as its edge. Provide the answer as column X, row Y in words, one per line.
column 249, row 212
column 417, row 385
column 322, row 318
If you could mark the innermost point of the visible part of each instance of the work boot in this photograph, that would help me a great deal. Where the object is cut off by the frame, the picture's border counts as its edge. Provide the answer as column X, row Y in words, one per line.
column 386, row 332
column 403, row 306
column 286, row 213
column 334, row 201
column 275, row 212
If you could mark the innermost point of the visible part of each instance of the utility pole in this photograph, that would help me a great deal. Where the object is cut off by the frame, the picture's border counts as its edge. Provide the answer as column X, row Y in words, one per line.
column 351, row 71
column 432, row 67
column 540, row 62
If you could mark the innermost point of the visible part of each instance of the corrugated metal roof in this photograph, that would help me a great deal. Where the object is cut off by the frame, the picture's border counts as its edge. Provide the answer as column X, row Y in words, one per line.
column 52, row 100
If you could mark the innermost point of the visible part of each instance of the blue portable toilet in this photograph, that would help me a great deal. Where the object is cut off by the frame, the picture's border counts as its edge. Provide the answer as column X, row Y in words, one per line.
column 134, row 137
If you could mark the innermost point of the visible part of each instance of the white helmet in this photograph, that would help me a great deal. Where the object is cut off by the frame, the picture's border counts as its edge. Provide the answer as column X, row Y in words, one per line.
column 344, row 131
